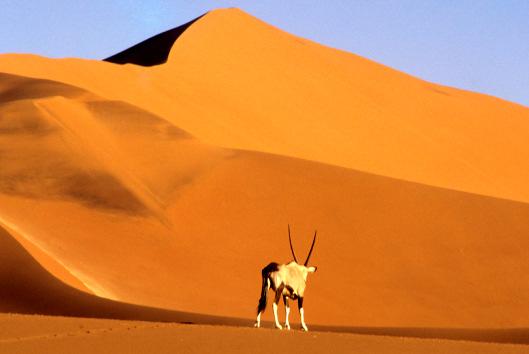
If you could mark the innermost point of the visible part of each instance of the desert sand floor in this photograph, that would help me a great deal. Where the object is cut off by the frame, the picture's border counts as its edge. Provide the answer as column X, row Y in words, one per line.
column 43, row 334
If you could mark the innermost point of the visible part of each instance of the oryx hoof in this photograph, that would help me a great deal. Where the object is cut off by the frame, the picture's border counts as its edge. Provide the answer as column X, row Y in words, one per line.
column 257, row 325
column 278, row 326
column 304, row 328
column 287, row 326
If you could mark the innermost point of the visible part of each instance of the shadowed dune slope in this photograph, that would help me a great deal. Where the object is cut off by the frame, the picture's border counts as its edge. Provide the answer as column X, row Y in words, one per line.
column 152, row 51
column 59, row 141
column 236, row 82
column 26, row 287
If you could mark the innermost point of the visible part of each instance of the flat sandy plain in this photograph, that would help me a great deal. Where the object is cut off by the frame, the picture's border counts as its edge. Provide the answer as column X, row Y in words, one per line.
column 156, row 184
column 42, row 334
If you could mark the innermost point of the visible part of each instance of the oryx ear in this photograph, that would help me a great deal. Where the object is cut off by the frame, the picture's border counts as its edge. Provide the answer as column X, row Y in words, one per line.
column 312, row 269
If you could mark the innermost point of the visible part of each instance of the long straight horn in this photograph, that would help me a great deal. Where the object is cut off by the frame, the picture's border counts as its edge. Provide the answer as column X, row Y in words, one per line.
column 291, row 248
column 311, row 248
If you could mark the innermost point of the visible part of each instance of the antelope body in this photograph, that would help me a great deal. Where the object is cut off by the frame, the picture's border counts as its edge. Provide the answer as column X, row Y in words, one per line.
column 287, row 281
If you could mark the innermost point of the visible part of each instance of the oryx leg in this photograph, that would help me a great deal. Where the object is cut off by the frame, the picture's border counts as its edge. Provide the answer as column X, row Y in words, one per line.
column 262, row 301
column 258, row 321
column 302, row 314
column 279, row 291
column 287, row 311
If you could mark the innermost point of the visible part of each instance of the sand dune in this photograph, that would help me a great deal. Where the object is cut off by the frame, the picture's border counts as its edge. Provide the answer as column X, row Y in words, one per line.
column 285, row 95
column 170, row 186
column 139, row 211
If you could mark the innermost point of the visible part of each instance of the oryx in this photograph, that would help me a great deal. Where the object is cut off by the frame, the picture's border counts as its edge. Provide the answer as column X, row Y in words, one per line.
column 288, row 280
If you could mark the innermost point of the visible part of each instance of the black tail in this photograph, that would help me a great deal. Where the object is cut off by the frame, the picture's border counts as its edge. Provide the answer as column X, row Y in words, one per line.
column 265, row 273
column 263, row 299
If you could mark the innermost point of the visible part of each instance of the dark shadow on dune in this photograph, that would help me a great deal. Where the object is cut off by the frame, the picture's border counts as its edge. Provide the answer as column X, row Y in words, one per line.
column 91, row 188
column 129, row 118
column 152, row 51
column 101, row 190
column 44, row 172
column 27, row 288
column 30, row 123
column 16, row 87
column 499, row 335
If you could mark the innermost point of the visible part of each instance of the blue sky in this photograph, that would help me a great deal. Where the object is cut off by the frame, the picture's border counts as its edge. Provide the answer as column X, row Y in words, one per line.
column 476, row 45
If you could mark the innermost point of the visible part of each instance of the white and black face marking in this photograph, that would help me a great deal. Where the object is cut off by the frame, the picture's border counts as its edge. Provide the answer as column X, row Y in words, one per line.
column 306, row 270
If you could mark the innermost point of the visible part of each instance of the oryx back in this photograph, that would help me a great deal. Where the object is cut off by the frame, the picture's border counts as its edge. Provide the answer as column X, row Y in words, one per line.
column 292, row 277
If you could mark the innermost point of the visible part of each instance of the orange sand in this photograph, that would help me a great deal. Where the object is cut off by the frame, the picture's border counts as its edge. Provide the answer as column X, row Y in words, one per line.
column 26, row 334
column 171, row 186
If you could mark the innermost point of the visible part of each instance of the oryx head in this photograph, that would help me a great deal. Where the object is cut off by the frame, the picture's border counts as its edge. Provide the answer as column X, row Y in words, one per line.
column 305, row 268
